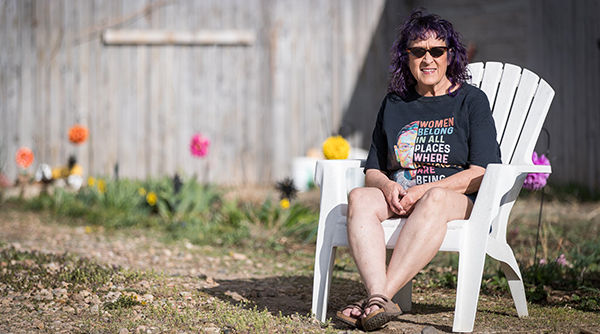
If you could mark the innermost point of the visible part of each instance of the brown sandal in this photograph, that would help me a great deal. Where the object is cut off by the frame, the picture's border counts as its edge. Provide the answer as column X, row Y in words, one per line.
column 387, row 312
column 349, row 320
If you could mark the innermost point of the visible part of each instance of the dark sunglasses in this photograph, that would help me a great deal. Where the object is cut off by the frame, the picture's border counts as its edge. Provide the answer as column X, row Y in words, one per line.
column 435, row 52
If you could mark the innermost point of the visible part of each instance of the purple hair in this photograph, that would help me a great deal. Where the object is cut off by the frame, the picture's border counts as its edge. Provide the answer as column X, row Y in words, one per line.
column 420, row 25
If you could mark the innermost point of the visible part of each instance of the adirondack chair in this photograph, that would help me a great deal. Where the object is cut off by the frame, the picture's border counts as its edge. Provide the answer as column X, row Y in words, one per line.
column 520, row 102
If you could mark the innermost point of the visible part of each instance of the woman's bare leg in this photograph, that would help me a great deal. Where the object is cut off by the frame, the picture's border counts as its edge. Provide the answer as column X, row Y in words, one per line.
column 420, row 239
column 423, row 233
column 366, row 210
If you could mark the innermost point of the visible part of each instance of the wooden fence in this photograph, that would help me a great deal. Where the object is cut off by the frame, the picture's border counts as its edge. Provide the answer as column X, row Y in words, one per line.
column 311, row 68
column 260, row 104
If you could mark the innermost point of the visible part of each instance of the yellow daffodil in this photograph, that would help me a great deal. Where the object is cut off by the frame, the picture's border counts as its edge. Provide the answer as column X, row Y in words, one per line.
column 142, row 191
column 91, row 180
column 101, row 186
column 336, row 147
column 284, row 203
column 151, row 198
column 56, row 173
column 64, row 172
column 77, row 170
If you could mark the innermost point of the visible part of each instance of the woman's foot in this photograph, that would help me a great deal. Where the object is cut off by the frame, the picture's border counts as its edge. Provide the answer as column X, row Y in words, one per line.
column 351, row 314
column 378, row 311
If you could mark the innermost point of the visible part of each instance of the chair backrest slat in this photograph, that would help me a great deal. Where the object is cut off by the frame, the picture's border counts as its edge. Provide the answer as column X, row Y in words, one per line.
column 491, row 79
column 506, row 95
column 533, row 124
column 518, row 119
column 518, row 114
column 476, row 71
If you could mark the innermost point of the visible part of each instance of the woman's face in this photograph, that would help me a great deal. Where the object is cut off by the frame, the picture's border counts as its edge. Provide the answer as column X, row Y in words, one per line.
column 429, row 72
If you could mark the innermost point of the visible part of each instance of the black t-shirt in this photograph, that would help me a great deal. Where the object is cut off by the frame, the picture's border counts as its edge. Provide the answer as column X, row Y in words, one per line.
column 421, row 139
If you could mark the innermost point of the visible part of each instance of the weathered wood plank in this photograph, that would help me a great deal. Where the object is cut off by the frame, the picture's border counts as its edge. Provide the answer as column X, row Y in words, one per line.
column 69, row 62
column 127, row 110
column 168, row 110
column 94, row 104
column 170, row 37
column 55, row 88
column 27, row 89
column 82, row 69
column 593, row 26
column 9, row 137
column 143, row 90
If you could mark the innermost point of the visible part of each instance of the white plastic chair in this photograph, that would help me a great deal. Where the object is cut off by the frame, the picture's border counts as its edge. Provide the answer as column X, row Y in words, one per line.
column 520, row 102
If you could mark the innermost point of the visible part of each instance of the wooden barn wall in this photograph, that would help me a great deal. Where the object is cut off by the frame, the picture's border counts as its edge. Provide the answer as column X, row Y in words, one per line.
column 261, row 105
column 564, row 48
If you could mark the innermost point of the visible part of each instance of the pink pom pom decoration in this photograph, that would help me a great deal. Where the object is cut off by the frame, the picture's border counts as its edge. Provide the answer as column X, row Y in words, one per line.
column 199, row 145
column 537, row 181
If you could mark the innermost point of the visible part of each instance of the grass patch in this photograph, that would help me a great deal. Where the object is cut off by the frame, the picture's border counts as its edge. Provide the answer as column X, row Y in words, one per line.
column 563, row 291
column 108, row 299
column 25, row 271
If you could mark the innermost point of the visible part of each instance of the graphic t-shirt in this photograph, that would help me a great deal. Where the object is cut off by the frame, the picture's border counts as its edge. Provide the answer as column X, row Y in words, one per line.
column 421, row 139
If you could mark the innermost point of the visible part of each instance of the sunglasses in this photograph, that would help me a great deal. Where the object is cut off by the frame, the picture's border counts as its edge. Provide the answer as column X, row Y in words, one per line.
column 435, row 52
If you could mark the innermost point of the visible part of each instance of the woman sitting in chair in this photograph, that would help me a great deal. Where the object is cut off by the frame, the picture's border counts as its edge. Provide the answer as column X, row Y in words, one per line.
column 433, row 138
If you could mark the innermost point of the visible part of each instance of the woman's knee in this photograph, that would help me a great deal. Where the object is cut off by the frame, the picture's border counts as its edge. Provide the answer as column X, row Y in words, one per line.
column 358, row 196
column 366, row 201
column 443, row 203
column 435, row 197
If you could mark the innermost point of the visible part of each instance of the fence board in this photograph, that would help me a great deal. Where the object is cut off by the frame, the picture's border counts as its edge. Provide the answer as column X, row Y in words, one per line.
column 27, row 88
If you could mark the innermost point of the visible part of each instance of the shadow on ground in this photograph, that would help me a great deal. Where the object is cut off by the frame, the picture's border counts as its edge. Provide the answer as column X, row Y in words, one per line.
column 291, row 295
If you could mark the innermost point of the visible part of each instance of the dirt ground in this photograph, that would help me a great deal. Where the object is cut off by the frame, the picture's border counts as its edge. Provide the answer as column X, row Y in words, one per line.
column 238, row 277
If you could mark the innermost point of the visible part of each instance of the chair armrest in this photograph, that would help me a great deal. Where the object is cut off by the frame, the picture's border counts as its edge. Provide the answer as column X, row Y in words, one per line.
column 501, row 184
column 326, row 169
column 330, row 176
column 528, row 168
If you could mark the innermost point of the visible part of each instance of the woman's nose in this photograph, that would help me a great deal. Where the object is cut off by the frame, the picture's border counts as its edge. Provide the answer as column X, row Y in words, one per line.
column 427, row 58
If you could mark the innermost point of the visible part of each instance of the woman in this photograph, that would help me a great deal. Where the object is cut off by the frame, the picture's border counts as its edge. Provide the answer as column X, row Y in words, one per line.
column 433, row 138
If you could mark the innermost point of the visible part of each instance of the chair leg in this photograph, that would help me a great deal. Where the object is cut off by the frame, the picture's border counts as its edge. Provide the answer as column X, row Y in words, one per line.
column 515, row 283
column 324, row 263
column 502, row 252
column 404, row 297
column 470, row 272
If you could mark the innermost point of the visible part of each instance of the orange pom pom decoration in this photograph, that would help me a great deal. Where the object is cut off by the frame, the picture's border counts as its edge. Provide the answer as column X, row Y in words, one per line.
column 24, row 157
column 78, row 134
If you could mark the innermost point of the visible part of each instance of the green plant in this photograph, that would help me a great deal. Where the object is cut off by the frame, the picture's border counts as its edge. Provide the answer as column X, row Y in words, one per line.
column 191, row 199
column 119, row 195
column 113, row 204
column 227, row 226
column 297, row 221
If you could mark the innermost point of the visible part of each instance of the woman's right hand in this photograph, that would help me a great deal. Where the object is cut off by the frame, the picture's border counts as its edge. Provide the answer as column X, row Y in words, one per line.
column 393, row 192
